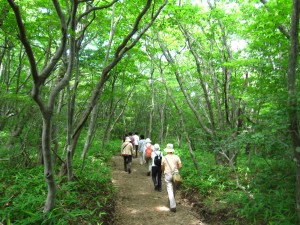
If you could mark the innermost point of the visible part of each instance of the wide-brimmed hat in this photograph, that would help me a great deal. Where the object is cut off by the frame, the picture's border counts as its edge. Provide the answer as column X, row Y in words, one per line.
column 148, row 140
column 156, row 147
column 127, row 139
column 169, row 148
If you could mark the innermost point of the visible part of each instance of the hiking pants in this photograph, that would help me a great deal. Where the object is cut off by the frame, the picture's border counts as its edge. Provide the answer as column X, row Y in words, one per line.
column 127, row 162
column 156, row 176
column 136, row 150
column 170, row 190
column 142, row 157
column 148, row 164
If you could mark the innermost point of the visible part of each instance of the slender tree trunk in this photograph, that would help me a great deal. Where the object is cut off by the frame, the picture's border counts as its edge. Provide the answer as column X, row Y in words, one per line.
column 111, row 112
column 90, row 132
column 121, row 112
column 215, row 90
column 200, row 79
column 113, row 26
column 152, row 104
column 162, row 112
column 47, row 158
column 292, row 95
column 185, row 133
column 170, row 59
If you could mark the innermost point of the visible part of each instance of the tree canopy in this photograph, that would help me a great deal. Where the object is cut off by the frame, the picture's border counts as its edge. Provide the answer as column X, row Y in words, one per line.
column 216, row 78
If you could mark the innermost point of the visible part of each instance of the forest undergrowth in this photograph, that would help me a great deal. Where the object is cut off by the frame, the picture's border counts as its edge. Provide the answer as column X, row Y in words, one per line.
column 268, row 197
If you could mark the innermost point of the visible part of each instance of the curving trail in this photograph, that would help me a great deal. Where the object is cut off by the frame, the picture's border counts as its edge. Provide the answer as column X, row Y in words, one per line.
column 139, row 204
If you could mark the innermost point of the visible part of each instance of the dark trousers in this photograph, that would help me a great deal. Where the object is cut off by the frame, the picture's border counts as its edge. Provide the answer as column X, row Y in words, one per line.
column 127, row 162
column 156, row 176
column 136, row 150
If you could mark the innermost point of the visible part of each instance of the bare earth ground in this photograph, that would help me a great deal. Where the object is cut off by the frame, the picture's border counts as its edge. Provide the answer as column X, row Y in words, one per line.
column 139, row 204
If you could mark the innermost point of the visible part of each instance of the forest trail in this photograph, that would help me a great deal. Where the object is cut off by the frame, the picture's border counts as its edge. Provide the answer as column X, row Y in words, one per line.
column 139, row 204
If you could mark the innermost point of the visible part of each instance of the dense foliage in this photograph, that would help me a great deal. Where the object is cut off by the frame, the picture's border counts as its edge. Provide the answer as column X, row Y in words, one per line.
column 209, row 76
column 89, row 199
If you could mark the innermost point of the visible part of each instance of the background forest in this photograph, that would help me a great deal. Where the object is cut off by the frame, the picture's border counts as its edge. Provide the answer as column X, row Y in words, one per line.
column 219, row 79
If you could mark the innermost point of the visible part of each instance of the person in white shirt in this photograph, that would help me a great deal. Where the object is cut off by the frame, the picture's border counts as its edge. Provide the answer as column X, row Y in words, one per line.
column 136, row 143
column 171, row 164
column 142, row 148
column 156, row 167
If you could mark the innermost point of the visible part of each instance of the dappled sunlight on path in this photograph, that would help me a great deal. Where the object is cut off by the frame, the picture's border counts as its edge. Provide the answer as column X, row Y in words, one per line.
column 139, row 204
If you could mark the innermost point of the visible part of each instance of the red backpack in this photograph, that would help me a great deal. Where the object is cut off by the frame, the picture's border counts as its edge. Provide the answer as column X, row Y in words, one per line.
column 148, row 151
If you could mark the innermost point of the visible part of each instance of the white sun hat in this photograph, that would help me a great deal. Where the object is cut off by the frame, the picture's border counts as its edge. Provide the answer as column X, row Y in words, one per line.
column 169, row 148
column 127, row 139
column 156, row 147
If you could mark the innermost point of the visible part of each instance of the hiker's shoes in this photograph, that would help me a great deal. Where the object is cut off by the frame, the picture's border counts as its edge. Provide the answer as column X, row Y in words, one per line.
column 173, row 210
column 129, row 171
column 156, row 188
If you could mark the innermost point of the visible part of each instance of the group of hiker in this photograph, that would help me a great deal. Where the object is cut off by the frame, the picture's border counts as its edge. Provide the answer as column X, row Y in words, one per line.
column 157, row 164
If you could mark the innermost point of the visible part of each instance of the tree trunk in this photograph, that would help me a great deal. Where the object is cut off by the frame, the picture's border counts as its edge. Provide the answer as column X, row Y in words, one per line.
column 162, row 113
column 152, row 104
column 200, row 79
column 170, row 59
column 292, row 95
column 185, row 133
column 121, row 112
column 111, row 112
column 47, row 158
column 90, row 132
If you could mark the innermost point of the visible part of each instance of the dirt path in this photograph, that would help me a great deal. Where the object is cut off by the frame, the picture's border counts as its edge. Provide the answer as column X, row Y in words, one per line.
column 139, row 204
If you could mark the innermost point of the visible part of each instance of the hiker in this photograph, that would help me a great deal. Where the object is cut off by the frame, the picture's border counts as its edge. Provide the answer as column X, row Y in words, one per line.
column 126, row 152
column 156, row 167
column 136, row 143
column 130, row 135
column 170, row 163
column 147, row 155
column 142, row 147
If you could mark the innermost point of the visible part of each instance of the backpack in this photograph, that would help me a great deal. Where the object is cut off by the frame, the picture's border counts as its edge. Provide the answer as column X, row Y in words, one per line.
column 148, row 151
column 157, row 160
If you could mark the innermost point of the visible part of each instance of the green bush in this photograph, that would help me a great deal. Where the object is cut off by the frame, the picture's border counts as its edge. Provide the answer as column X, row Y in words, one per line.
column 261, row 194
column 89, row 199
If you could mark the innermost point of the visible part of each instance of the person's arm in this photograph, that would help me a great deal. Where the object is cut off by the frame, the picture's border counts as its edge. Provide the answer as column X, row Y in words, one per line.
column 163, row 167
column 179, row 165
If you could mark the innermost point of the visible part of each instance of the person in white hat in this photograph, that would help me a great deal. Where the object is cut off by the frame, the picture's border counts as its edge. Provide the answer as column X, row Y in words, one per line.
column 171, row 164
column 156, row 167
column 147, row 156
column 126, row 152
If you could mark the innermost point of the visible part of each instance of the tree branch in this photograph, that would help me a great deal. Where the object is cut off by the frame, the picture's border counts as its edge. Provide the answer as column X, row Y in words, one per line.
column 46, row 71
column 24, row 40
column 95, row 8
